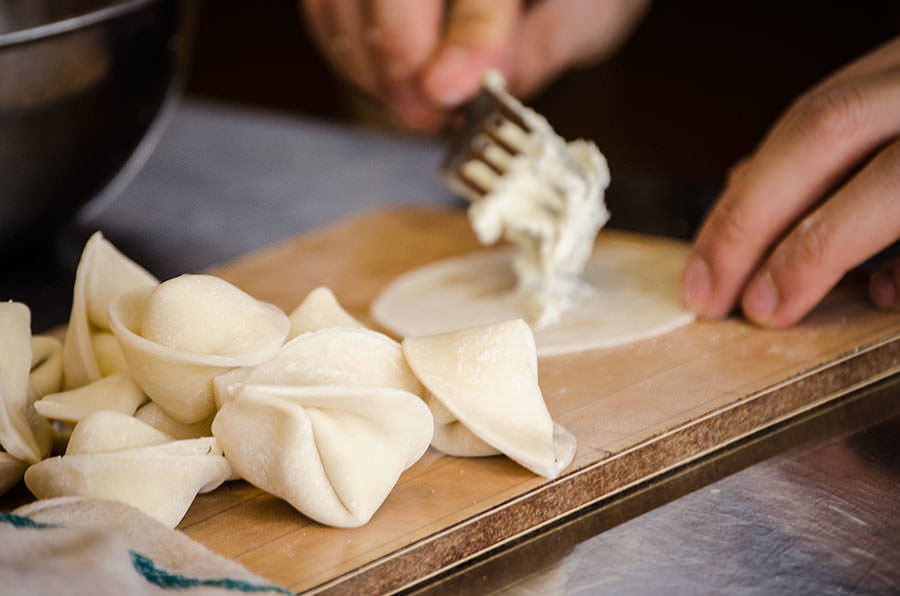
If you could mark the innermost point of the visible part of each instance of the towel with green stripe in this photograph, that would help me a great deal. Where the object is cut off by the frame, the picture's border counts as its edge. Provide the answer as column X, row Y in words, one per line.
column 74, row 546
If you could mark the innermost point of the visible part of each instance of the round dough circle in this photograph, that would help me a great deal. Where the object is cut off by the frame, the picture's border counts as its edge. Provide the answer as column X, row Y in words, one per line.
column 631, row 293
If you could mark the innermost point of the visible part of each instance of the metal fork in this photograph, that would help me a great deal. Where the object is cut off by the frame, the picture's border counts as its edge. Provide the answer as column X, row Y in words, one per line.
column 495, row 130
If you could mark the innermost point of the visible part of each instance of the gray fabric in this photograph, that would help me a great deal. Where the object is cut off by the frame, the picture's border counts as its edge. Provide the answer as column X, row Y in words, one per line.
column 225, row 181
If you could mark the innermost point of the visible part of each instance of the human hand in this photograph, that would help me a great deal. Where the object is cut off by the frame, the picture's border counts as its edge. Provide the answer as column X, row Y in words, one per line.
column 421, row 60
column 817, row 198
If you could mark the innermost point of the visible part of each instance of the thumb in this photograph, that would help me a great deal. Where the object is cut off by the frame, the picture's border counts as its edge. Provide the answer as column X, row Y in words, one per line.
column 477, row 37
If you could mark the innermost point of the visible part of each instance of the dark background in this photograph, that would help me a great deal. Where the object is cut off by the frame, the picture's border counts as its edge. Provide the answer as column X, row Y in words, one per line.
column 693, row 89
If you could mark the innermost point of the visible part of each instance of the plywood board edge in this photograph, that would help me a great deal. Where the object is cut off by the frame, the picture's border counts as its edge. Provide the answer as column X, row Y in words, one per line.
column 583, row 487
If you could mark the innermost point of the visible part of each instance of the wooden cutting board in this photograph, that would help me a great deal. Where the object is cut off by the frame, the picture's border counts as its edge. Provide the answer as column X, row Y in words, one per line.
column 636, row 412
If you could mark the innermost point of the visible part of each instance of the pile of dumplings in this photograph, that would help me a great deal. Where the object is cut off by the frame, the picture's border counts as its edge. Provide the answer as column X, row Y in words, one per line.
column 161, row 391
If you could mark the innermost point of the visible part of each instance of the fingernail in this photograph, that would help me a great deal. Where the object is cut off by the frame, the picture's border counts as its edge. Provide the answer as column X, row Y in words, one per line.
column 696, row 285
column 761, row 298
column 882, row 289
column 444, row 77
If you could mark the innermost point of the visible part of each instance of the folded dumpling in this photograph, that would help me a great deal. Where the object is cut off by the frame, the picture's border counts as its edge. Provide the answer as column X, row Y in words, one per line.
column 452, row 436
column 107, row 430
column 485, row 379
column 115, row 456
column 116, row 392
column 103, row 274
column 108, row 353
column 180, row 334
column 333, row 452
column 320, row 310
column 24, row 434
column 331, row 356
column 153, row 415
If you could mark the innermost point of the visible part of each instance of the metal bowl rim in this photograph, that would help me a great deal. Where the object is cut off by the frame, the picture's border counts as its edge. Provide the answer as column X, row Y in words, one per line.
column 72, row 23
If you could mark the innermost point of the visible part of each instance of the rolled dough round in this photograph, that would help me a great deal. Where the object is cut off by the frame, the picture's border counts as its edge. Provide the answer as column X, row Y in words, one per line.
column 630, row 292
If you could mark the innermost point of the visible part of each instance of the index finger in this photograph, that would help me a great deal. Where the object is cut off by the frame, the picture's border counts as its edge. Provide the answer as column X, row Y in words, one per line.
column 822, row 137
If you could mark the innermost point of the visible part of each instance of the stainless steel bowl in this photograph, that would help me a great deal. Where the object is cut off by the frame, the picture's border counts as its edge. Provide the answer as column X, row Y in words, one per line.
column 81, row 83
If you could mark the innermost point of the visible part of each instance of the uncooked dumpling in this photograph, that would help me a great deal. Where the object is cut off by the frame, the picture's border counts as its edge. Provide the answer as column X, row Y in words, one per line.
column 202, row 314
column 23, row 433
column 108, row 430
column 320, row 310
column 332, row 356
column 153, row 415
column 486, row 377
column 333, row 452
column 179, row 335
column 630, row 291
column 116, row 392
column 108, row 353
column 452, row 436
column 103, row 274
column 115, row 456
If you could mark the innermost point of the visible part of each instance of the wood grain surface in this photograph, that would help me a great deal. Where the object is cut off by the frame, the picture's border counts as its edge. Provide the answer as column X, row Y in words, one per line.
column 636, row 411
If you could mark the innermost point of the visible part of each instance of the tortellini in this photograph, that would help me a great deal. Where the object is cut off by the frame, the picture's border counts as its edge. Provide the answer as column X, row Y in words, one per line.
column 115, row 456
column 23, row 433
column 485, row 380
column 339, row 356
column 334, row 452
column 328, row 424
column 153, row 415
column 180, row 334
column 116, row 392
column 176, row 387
column 320, row 310
column 89, row 351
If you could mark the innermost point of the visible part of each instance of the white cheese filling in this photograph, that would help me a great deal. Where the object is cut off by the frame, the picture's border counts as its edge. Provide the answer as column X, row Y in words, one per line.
column 549, row 203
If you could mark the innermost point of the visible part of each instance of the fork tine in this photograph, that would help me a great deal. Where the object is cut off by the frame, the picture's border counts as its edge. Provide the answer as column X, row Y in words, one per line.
column 512, row 114
column 467, row 183
column 492, row 133
column 494, row 130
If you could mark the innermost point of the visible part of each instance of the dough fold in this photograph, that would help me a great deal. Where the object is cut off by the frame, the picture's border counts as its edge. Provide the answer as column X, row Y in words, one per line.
column 103, row 274
column 46, row 365
column 24, row 434
column 115, row 392
column 320, row 310
column 486, row 378
column 115, row 456
column 333, row 452
column 331, row 356
column 178, row 336
column 153, row 415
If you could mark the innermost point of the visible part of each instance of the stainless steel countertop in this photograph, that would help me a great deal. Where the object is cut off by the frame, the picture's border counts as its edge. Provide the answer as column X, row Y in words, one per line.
column 821, row 518
column 810, row 507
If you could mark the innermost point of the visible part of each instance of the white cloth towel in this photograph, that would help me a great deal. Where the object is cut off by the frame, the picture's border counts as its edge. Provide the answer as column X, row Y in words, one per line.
column 74, row 546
